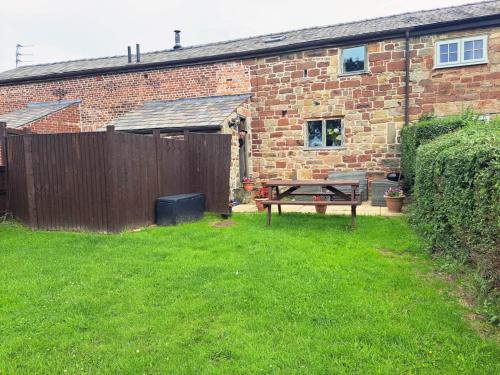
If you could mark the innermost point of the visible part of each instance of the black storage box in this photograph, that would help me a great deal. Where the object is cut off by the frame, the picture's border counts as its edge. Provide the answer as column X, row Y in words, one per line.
column 180, row 208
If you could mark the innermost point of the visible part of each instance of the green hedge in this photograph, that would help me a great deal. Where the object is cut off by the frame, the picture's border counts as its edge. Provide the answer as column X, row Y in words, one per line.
column 457, row 197
column 412, row 136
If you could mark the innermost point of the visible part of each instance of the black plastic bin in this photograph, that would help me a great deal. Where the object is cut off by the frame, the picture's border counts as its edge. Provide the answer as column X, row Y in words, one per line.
column 181, row 208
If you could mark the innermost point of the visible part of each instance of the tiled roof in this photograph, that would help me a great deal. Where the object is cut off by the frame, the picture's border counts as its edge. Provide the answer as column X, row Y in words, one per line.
column 33, row 112
column 209, row 111
column 261, row 44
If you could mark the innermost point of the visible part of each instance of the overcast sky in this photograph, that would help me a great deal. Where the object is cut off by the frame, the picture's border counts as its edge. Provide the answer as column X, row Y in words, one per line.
column 67, row 30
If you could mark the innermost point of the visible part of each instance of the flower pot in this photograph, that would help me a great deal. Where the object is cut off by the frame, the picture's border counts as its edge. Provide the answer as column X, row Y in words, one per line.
column 259, row 203
column 248, row 186
column 320, row 208
column 394, row 204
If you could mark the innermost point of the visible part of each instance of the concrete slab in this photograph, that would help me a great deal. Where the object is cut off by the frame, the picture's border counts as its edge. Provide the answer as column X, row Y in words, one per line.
column 366, row 209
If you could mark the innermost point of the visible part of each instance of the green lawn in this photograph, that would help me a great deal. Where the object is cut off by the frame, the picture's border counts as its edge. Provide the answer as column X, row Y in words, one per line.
column 305, row 296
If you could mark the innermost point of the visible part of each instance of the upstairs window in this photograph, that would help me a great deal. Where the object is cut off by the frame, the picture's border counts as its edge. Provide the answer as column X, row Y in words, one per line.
column 464, row 51
column 324, row 133
column 353, row 60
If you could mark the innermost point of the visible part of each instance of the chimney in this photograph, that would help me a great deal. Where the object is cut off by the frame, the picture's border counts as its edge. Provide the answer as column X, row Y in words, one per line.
column 177, row 39
column 129, row 49
column 137, row 53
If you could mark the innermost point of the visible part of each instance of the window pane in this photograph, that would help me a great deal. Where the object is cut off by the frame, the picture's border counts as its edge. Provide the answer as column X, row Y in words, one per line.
column 353, row 59
column 314, row 134
column 453, row 57
column 443, row 48
column 468, row 55
column 478, row 54
column 453, row 47
column 443, row 58
column 334, row 132
column 478, row 44
column 468, row 46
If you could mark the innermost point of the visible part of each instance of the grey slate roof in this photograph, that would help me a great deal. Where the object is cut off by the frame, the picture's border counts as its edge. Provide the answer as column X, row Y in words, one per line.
column 260, row 44
column 34, row 111
column 203, row 112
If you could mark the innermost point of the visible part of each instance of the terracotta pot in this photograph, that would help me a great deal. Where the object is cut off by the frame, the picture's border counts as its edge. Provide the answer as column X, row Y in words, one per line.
column 394, row 204
column 320, row 208
column 259, row 204
column 248, row 186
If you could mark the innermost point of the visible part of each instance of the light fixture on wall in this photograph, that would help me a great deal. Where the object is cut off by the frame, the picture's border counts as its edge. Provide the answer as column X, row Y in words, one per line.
column 234, row 123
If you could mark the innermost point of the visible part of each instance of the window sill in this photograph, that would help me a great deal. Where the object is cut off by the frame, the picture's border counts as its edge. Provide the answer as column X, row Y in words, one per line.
column 361, row 72
column 460, row 65
column 336, row 148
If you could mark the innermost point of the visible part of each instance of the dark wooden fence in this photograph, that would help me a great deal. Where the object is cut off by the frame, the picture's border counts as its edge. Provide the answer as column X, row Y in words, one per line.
column 109, row 181
column 3, row 169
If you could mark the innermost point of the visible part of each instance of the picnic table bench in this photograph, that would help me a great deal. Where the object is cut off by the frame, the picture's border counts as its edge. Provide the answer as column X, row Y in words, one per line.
column 329, row 189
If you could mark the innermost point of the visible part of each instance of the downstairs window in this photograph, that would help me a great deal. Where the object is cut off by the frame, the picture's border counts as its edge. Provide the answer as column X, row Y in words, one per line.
column 324, row 133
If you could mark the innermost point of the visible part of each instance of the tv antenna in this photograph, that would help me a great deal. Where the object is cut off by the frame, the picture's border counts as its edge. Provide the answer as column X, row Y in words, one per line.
column 20, row 54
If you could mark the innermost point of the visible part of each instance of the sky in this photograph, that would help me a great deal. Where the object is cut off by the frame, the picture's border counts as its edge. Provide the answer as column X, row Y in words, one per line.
column 60, row 30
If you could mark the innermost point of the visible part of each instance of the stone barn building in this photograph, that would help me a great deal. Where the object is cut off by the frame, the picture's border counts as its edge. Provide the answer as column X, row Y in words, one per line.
column 300, row 103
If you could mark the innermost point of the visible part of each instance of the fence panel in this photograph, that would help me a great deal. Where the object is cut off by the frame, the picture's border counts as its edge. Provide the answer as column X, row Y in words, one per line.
column 110, row 181
column 16, row 175
column 173, row 166
column 3, row 189
column 209, row 165
column 3, row 170
column 68, row 174
column 135, row 182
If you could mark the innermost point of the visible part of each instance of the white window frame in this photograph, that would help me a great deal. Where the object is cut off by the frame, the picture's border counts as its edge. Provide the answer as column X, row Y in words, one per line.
column 323, row 134
column 461, row 52
column 341, row 69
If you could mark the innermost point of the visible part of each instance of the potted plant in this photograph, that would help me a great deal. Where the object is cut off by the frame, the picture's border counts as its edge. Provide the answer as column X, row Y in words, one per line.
column 248, row 183
column 320, row 204
column 260, row 196
column 394, row 199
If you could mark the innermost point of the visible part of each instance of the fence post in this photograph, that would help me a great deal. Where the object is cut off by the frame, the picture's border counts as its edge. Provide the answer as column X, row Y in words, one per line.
column 156, row 136
column 111, row 181
column 3, row 173
column 188, row 180
column 30, row 181
column 3, row 143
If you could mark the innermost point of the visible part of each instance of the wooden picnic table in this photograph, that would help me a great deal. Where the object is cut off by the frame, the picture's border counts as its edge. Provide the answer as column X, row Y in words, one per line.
column 329, row 190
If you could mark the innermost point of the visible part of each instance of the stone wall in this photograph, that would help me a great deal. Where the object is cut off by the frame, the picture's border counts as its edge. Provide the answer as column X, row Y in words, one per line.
column 292, row 88
column 234, row 177
column 450, row 90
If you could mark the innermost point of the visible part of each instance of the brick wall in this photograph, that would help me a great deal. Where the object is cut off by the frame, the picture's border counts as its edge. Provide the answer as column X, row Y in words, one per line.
column 105, row 97
column 66, row 120
column 285, row 97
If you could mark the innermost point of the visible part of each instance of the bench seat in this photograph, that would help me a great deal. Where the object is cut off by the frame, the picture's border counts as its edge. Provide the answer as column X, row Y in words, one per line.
column 311, row 203
column 268, row 204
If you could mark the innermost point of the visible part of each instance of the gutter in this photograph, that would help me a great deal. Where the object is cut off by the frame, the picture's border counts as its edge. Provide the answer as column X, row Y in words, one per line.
column 167, row 130
column 492, row 20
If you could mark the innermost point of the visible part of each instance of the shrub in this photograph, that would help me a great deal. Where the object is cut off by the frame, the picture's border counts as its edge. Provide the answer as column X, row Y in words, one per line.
column 457, row 197
column 427, row 129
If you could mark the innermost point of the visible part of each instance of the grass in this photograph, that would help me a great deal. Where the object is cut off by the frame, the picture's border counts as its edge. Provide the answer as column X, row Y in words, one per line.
column 305, row 296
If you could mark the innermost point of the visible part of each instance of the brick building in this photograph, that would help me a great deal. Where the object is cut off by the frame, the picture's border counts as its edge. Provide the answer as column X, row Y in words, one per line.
column 322, row 99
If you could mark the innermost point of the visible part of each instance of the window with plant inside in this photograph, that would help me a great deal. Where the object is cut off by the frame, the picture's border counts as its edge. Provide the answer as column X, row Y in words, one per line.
column 324, row 133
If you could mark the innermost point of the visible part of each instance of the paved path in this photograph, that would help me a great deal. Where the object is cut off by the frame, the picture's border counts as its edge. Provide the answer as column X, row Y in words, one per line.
column 366, row 209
